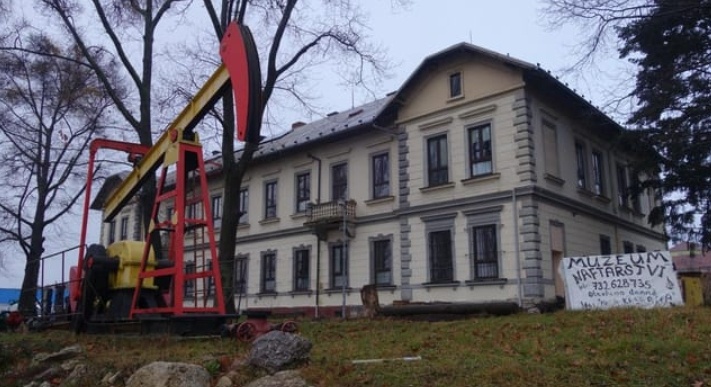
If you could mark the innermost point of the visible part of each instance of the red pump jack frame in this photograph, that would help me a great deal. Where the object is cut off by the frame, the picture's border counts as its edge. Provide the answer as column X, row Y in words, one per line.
column 241, row 71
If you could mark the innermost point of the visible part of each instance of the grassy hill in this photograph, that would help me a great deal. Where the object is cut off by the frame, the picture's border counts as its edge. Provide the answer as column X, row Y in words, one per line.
column 629, row 347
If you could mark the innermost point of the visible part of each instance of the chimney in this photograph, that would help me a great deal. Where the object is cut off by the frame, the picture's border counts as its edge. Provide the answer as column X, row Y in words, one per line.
column 297, row 124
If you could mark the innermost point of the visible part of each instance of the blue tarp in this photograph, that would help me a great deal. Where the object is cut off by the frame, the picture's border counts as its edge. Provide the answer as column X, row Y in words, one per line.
column 8, row 295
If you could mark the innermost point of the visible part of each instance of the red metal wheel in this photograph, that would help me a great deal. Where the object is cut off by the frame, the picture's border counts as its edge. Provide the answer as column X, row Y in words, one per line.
column 289, row 327
column 246, row 331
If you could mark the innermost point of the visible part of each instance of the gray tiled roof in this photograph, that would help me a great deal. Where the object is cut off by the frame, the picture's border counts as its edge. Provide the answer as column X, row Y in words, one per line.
column 331, row 125
column 334, row 123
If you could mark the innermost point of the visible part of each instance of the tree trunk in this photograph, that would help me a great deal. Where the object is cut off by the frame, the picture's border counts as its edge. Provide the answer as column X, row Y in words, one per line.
column 233, row 173
column 28, row 296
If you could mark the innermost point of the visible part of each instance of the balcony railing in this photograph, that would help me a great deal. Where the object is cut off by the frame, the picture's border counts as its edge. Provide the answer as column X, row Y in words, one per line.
column 331, row 212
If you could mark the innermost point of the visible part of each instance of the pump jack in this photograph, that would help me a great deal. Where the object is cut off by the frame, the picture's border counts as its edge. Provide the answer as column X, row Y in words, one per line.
column 130, row 281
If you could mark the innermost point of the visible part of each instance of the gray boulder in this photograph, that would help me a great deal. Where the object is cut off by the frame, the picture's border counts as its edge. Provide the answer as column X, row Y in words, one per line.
column 165, row 374
column 290, row 378
column 276, row 351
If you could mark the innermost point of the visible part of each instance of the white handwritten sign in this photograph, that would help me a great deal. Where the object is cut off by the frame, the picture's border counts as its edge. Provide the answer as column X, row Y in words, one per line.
column 644, row 280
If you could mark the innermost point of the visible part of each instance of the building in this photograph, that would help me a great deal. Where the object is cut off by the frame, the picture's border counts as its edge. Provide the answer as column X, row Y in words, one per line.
column 468, row 184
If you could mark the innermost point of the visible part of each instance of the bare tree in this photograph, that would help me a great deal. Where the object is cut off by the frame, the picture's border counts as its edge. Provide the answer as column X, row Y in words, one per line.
column 669, row 44
column 50, row 107
column 129, row 26
column 597, row 20
column 292, row 36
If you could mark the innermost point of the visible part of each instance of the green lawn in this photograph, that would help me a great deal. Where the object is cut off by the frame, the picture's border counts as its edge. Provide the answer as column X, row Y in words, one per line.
column 667, row 347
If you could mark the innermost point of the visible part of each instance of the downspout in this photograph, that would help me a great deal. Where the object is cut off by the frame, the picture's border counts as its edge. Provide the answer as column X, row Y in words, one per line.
column 318, row 238
column 517, row 248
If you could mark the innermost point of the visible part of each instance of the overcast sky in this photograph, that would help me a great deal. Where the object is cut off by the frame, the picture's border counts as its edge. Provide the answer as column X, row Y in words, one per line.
column 514, row 27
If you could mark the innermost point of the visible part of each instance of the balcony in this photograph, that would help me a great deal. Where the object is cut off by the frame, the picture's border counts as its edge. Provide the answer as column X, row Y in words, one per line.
column 325, row 217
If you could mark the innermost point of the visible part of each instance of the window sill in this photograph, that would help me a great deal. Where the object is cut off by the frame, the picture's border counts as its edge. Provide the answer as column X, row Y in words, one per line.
column 452, row 284
column 301, row 293
column 437, row 187
column 385, row 199
column 390, row 288
column 267, row 294
column 242, row 226
column 554, row 179
column 625, row 209
column 298, row 215
column 602, row 199
column 269, row 220
column 586, row 192
column 486, row 281
column 480, row 178
column 337, row 290
column 455, row 98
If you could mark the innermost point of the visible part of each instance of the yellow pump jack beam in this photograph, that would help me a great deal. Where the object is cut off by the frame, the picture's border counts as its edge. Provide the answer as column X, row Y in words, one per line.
column 240, row 69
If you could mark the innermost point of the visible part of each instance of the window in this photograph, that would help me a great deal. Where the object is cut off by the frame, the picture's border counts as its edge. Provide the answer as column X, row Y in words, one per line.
column 381, row 175
column 216, row 207
column 480, row 150
column 124, row 228
column 598, row 167
column 241, row 270
column 485, row 259
column 627, row 247
column 580, row 164
column 382, row 262
column 301, row 269
column 633, row 190
column 189, row 285
column 339, row 265
column 243, row 206
column 339, row 182
column 622, row 194
column 455, row 85
column 437, row 161
column 641, row 249
column 550, row 148
column 112, row 232
column 192, row 211
column 605, row 245
column 440, row 256
column 303, row 191
column 270, row 200
column 268, row 272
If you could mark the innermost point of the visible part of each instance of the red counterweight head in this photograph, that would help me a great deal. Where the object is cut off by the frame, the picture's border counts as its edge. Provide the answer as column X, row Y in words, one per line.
column 240, row 56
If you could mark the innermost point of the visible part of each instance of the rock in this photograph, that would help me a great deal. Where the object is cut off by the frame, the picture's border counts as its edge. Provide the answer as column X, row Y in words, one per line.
column 63, row 354
column 70, row 364
column 224, row 382
column 276, row 350
column 165, row 374
column 290, row 378
column 49, row 373
column 75, row 376
column 105, row 379
column 233, row 375
column 114, row 378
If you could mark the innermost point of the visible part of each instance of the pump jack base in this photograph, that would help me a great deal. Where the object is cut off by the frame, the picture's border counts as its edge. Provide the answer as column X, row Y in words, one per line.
column 186, row 325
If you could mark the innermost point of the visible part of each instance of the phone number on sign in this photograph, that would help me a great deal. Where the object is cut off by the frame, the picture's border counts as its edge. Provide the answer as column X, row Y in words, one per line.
column 623, row 283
